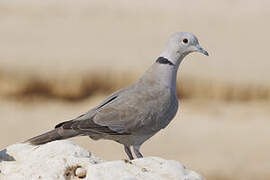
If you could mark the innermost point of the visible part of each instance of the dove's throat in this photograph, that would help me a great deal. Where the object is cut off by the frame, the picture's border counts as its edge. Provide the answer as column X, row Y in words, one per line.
column 162, row 74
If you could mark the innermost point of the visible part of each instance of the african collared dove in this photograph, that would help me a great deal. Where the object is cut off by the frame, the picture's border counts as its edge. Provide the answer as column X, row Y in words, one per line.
column 132, row 115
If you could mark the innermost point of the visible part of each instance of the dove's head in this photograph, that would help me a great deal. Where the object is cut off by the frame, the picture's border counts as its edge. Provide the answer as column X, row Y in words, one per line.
column 181, row 44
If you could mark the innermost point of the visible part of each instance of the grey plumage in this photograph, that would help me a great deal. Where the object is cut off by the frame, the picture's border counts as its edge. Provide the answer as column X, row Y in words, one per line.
column 132, row 115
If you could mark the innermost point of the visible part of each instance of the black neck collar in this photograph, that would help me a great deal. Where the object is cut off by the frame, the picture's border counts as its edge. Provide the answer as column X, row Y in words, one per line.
column 162, row 60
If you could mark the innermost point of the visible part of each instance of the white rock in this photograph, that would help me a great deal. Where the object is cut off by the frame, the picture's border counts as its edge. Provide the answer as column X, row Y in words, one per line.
column 63, row 160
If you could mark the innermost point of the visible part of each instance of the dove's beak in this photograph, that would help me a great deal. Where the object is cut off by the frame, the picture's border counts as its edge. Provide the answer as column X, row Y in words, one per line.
column 201, row 50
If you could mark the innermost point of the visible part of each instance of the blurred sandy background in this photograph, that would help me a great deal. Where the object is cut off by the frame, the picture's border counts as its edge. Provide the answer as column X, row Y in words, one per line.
column 59, row 58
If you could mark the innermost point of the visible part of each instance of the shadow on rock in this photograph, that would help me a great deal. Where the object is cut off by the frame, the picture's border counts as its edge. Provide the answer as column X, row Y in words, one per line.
column 4, row 156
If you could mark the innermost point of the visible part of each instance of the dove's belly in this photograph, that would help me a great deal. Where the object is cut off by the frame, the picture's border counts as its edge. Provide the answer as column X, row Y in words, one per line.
column 130, row 140
column 150, row 126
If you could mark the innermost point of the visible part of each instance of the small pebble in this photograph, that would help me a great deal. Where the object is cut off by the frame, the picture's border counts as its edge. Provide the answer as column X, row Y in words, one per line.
column 144, row 170
column 80, row 172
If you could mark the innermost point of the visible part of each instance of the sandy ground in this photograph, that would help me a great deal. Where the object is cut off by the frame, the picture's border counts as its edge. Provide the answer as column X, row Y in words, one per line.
column 220, row 140
column 56, row 45
column 51, row 38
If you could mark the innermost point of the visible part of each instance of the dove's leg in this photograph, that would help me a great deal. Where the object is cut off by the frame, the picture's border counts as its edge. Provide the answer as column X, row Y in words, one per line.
column 136, row 149
column 128, row 151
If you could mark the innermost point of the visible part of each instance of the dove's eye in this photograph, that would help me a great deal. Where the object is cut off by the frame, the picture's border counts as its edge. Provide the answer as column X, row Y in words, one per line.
column 185, row 41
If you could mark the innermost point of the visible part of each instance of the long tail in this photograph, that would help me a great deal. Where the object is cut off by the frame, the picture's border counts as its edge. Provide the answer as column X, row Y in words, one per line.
column 56, row 134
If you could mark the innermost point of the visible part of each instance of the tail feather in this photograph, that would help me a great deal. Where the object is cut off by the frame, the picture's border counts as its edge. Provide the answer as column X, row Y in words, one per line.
column 52, row 136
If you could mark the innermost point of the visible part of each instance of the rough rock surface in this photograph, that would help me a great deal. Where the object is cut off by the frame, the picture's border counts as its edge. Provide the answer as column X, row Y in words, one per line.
column 63, row 160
